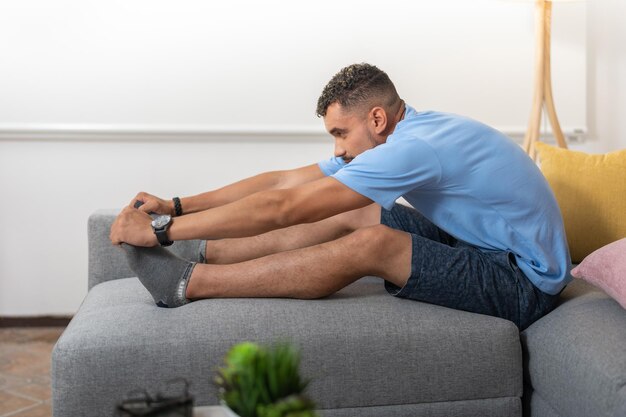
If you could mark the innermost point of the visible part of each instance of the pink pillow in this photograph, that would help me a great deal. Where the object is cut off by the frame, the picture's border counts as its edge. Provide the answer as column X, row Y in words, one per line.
column 606, row 269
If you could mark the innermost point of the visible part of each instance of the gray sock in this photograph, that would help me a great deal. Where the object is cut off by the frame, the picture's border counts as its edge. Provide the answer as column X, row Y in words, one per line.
column 164, row 274
column 202, row 252
column 192, row 250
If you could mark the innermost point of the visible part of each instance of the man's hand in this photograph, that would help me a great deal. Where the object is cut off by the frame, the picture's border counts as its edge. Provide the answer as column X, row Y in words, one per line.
column 153, row 204
column 133, row 226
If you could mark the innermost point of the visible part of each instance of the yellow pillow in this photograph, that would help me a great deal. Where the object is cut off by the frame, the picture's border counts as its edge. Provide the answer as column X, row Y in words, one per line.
column 591, row 192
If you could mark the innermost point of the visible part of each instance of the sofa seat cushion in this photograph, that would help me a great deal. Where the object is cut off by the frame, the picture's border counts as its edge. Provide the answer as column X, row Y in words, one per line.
column 360, row 347
column 576, row 355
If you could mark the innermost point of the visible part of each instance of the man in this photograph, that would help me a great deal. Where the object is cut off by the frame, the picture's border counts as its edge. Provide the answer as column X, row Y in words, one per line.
column 485, row 236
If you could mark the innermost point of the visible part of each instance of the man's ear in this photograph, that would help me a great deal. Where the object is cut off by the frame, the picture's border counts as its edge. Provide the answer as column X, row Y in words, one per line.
column 378, row 119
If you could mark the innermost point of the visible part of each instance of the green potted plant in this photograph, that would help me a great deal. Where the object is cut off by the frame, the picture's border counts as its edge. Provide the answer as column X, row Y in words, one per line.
column 259, row 381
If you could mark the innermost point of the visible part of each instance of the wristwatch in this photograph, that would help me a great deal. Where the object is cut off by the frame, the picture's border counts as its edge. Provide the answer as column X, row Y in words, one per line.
column 160, row 225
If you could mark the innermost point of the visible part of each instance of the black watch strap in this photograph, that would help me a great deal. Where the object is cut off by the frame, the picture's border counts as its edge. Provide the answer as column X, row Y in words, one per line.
column 161, row 235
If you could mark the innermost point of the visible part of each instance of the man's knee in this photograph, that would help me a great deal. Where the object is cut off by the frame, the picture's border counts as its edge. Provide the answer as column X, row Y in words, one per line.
column 372, row 234
column 360, row 218
column 381, row 239
column 386, row 251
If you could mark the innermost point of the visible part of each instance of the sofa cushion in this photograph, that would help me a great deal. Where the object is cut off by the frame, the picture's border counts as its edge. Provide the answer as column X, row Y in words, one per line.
column 606, row 269
column 575, row 357
column 591, row 192
column 361, row 347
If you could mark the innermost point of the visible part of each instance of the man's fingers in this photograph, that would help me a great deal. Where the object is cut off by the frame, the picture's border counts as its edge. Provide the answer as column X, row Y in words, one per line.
column 129, row 227
column 149, row 206
column 134, row 201
column 115, row 240
column 140, row 197
column 113, row 235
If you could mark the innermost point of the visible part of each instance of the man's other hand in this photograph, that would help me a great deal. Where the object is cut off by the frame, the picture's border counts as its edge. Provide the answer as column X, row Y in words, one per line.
column 134, row 227
column 153, row 204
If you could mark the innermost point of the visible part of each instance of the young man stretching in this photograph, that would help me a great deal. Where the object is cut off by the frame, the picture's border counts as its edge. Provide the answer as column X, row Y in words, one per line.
column 485, row 234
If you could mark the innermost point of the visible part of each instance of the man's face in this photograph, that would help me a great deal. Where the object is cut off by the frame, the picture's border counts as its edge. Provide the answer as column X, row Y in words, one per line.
column 351, row 132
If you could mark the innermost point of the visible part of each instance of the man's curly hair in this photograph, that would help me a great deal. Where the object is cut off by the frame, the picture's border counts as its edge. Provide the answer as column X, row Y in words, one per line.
column 358, row 85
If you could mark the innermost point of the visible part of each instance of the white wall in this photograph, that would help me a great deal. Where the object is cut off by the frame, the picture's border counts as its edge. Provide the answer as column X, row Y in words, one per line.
column 49, row 188
column 606, row 66
column 201, row 64
column 50, row 184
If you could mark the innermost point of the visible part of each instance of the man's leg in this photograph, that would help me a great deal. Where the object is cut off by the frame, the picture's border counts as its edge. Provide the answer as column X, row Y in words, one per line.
column 229, row 251
column 166, row 276
column 453, row 274
column 310, row 272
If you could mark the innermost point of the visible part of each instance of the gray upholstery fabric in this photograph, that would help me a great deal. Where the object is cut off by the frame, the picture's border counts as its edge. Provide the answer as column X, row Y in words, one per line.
column 538, row 407
column 576, row 356
column 361, row 347
column 490, row 407
column 107, row 262
column 367, row 353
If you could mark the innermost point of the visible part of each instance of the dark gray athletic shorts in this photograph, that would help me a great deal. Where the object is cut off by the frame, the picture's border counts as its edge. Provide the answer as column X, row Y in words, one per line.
column 453, row 274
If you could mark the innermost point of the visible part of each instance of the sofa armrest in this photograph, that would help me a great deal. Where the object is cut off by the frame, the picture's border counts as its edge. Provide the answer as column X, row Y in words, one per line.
column 107, row 261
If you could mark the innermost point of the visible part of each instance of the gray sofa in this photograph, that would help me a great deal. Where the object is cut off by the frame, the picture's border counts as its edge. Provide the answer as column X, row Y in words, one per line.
column 367, row 353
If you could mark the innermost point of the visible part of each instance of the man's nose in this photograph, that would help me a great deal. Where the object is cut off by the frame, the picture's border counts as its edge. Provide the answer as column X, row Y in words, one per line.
column 339, row 151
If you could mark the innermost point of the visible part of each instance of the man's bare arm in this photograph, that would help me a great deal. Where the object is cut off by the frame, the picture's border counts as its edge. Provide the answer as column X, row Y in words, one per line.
column 270, row 210
column 258, row 213
column 272, row 180
column 267, row 181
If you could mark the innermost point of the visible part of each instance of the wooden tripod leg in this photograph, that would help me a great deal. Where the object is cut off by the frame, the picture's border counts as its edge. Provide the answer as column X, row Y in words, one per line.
column 532, row 134
column 554, row 121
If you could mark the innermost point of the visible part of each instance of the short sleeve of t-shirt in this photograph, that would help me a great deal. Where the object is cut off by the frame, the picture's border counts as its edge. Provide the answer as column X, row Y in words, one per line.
column 388, row 171
column 332, row 165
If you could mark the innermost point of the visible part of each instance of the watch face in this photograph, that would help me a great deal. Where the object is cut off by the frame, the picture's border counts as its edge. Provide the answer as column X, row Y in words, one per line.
column 161, row 221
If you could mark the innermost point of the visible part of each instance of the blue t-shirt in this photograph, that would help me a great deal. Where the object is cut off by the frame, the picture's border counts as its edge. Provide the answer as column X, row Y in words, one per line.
column 471, row 181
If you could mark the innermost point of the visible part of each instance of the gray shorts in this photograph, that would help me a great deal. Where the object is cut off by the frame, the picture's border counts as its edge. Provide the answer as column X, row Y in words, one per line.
column 453, row 274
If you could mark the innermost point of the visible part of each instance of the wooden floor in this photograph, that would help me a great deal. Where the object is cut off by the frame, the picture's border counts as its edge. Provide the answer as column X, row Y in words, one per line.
column 25, row 370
